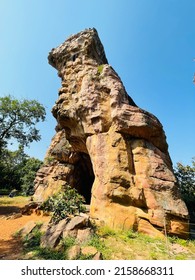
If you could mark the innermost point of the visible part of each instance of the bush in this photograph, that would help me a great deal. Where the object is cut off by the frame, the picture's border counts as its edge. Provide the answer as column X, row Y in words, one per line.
column 100, row 69
column 66, row 202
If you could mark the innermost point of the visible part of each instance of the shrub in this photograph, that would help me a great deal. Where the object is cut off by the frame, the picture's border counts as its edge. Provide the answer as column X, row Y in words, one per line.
column 100, row 69
column 66, row 202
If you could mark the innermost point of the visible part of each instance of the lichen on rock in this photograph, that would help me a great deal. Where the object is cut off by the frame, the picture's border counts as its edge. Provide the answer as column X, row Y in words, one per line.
column 110, row 150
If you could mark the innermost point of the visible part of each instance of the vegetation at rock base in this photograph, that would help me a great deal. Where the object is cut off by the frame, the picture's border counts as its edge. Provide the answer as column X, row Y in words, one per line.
column 128, row 245
column 67, row 202
column 113, row 244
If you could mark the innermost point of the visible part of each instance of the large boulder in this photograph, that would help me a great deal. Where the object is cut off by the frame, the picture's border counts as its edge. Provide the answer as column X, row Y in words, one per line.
column 110, row 150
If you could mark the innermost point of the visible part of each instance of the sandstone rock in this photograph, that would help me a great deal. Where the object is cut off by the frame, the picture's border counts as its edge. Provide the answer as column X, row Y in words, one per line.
column 144, row 226
column 14, row 216
column 70, row 233
column 178, row 249
column 70, row 227
column 84, row 235
column 74, row 252
column 28, row 209
column 31, row 256
column 44, row 227
column 98, row 256
column 178, row 228
column 113, row 152
column 89, row 251
column 77, row 222
column 28, row 228
column 53, row 234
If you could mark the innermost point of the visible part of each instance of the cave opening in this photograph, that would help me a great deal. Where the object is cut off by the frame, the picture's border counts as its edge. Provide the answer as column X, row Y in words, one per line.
column 84, row 176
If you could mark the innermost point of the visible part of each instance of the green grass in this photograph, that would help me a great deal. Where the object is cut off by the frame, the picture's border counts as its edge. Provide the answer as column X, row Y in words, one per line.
column 117, row 245
column 31, row 244
column 47, row 254
column 15, row 201
column 133, row 245
column 66, row 243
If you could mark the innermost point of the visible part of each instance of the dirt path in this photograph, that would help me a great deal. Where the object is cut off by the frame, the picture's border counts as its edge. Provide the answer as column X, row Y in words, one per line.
column 10, row 246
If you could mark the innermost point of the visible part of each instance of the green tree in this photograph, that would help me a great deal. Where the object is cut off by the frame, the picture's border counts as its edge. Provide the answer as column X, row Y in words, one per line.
column 18, row 119
column 29, row 171
column 18, row 170
column 11, row 164
column 186, row 180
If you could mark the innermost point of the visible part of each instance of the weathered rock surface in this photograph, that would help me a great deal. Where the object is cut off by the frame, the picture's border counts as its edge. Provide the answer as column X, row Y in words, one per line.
column 77, row 227
column 74, row 252
column 112, row 151
column 53, row 234
column 89, row 251
column 28, row 228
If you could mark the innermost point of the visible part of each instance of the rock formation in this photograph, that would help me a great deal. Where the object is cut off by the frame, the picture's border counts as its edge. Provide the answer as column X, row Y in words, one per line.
column 114, row 153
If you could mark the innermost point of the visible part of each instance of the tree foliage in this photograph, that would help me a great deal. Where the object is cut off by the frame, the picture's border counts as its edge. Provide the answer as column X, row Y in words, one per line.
column 11, row 164
column 186, row 180
column 66, row 202
column 29, row 171
column 18, row 170
column 18, row 119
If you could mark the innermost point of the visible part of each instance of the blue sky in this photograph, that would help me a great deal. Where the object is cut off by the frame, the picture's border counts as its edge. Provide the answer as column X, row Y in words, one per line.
column 150, row 43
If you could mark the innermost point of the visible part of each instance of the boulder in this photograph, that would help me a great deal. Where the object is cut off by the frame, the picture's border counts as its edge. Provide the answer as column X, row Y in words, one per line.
column 98, row 256
column 74, row 252
column 77, row 222
column 84, row 235
column 53, row 234
column 145, row 226
column 113, row 152
column 29, row 208
column 89, row 251
column 28, row 228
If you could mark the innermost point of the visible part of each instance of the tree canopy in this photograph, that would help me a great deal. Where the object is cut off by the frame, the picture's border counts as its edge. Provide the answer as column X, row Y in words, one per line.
column 186, row 180
column 18, row 119
column 18, row 171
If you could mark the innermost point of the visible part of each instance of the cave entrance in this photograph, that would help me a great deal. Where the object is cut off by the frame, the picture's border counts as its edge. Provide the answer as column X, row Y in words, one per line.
column 84, row 176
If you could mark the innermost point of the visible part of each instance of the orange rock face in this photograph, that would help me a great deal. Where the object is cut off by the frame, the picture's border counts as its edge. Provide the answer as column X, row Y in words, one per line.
column 112, row 151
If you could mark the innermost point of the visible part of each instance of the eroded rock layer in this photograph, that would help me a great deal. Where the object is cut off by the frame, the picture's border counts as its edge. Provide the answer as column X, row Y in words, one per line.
column 112, row 151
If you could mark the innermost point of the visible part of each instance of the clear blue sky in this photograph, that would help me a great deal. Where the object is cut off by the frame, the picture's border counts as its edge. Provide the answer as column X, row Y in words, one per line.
column 150, row 43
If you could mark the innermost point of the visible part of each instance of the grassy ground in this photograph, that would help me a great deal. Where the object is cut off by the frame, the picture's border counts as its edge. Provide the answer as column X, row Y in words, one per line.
column 16, row 201
column 118, row 245
column 114, row 245
column 136, row 246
